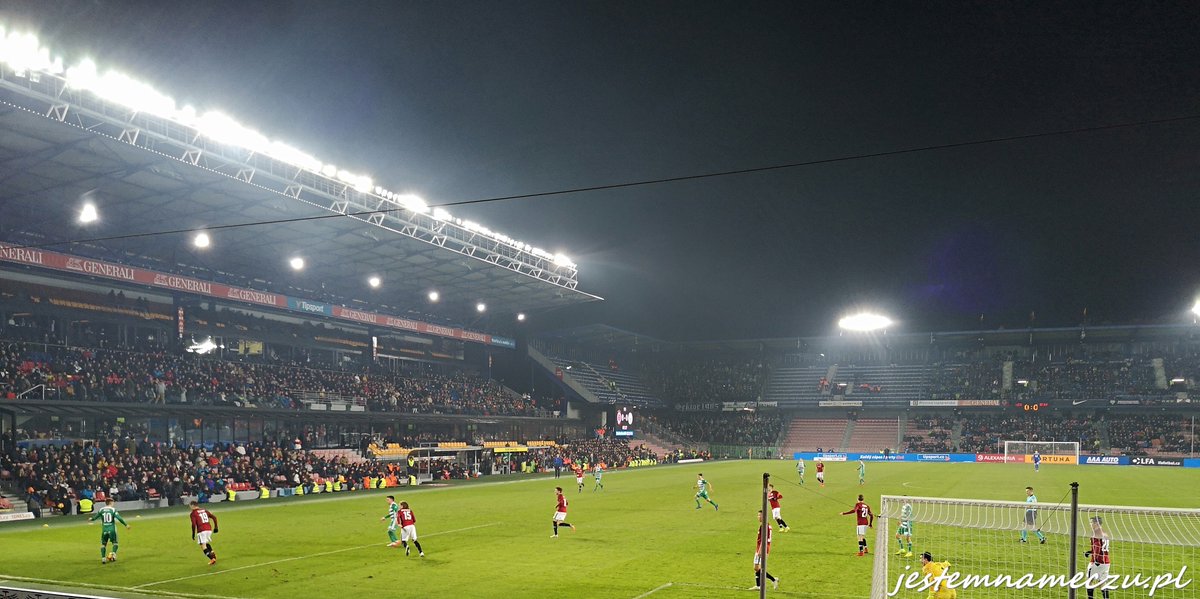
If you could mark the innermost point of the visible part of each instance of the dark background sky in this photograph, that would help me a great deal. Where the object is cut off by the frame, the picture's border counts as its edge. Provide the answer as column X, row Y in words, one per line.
column 476, row 99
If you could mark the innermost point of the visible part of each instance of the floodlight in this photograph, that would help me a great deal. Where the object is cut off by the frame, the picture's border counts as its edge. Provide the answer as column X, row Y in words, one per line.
column 88, row 214
column 520, row 317
column 374, row 282
column 1196, row 308
column 441, row 214
column 562, row 260
column 412, row 202
column 201, row 240
column 434, row 296
column 865, row 321
column 297, row 263
column 481, row 307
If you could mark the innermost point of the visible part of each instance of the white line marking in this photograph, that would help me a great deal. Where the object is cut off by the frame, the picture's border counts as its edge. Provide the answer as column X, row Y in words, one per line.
column 300, row 557
column 911, row 486
column 65, row 584
column 253, row 504
column 654, row 590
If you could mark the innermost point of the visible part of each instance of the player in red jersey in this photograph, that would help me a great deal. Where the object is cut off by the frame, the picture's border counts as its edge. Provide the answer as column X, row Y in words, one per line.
column 578, row 476
column 1097, row 569
column 758, row 546
column 408, row 528
column 821, row 473
column 866, row 519
column 560, row 512
column 774, row 496
column 204, row 526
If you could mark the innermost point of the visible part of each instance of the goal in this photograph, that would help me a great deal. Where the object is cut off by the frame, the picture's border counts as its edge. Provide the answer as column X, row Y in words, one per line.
column 981, row 540
column 1052, row 452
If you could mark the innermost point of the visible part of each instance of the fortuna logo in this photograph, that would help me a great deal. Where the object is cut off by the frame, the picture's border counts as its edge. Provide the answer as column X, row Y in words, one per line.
column 1075, row 403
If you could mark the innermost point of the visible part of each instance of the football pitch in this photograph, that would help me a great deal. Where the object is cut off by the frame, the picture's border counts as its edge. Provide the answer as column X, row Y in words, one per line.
column 640, row 537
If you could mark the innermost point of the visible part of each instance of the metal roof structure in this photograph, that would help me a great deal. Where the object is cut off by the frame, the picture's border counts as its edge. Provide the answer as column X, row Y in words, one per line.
column 147, row 173
column 141, row 410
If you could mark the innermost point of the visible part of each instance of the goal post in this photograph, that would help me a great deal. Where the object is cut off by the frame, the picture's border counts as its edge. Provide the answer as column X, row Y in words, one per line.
column 1052, row 452
column 982, row 542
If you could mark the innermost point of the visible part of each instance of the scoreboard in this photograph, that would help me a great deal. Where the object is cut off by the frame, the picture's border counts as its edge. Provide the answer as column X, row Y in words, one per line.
column 623, row 422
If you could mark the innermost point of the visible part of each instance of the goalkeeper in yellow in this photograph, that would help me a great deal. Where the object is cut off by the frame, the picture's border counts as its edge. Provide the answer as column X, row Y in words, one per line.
column 932, row 570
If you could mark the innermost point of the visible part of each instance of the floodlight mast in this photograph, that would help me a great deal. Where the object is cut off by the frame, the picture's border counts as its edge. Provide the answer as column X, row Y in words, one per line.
column 116, row 106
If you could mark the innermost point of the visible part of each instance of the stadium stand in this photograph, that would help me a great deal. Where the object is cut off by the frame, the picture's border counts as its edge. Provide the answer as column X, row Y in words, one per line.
column 926, row 433
column 812, row 434
column 84, row 374
column 610, row 385
column 872, row 435
column 733, row 428
column 796, row 385
column 705, row 380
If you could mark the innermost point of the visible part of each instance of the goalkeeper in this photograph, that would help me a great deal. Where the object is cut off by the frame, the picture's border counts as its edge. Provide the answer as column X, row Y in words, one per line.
column 932, row 570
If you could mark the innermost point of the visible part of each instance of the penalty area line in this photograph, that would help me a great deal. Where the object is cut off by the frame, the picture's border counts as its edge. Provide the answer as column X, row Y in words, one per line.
column 299, row 557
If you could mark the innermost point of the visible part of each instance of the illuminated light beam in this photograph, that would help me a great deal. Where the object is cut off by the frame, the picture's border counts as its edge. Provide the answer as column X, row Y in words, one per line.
column 865, row 321
column 24, row 54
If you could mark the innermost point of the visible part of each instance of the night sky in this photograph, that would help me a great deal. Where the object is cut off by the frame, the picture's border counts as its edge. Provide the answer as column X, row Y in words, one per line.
column 459, row 101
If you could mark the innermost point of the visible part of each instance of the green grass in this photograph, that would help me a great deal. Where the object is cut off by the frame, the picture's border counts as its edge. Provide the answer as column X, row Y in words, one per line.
column 492, row 539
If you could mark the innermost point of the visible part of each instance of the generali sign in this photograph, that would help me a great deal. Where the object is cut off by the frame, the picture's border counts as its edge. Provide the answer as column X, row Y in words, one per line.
column 161, row 280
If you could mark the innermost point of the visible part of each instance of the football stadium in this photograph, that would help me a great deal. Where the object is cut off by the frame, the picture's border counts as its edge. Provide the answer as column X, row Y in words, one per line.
column 252, row 368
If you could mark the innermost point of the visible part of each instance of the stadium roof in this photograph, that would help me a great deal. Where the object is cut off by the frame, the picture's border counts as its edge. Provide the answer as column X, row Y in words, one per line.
column 611, row 338
column 602, row 335
column 148, row 173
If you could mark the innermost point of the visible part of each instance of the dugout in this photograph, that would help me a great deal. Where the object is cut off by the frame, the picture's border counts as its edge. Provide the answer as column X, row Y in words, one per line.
column 427, row 461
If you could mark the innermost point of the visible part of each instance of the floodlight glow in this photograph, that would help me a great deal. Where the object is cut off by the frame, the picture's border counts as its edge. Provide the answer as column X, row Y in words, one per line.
column 26, row 57
column 374, row 282
column 481, row 307
column 434, row 296
column 201, row 240
column 865, row 322
column 1196, row 308
column 297, row 263
column 521, row 317
column 23, row 52
column 88, row 213
column 412, row 202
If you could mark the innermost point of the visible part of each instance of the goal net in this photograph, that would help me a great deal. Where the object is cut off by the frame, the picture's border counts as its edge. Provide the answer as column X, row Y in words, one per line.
column 1143, row 547
column 1052, row 452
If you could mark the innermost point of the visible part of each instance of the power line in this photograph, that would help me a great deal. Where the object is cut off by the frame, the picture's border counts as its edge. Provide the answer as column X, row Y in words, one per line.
column 648, row 182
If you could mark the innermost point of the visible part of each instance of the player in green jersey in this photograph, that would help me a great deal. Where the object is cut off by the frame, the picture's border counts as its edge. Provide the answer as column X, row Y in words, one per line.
column 393, row 507
column 904, row 532
column 108, row 517
column 800, row 469
column 702, row 493
column 862, row 473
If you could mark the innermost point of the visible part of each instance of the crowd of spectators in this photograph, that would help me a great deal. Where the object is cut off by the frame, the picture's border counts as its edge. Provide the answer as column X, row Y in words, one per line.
column 722, row 428
column 85, row 374
column 1142, row 434
column 129, row 469
column 932, row 434
column 1096, row 377
column 966, row 380
column 986, row 433
column 708, row 381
